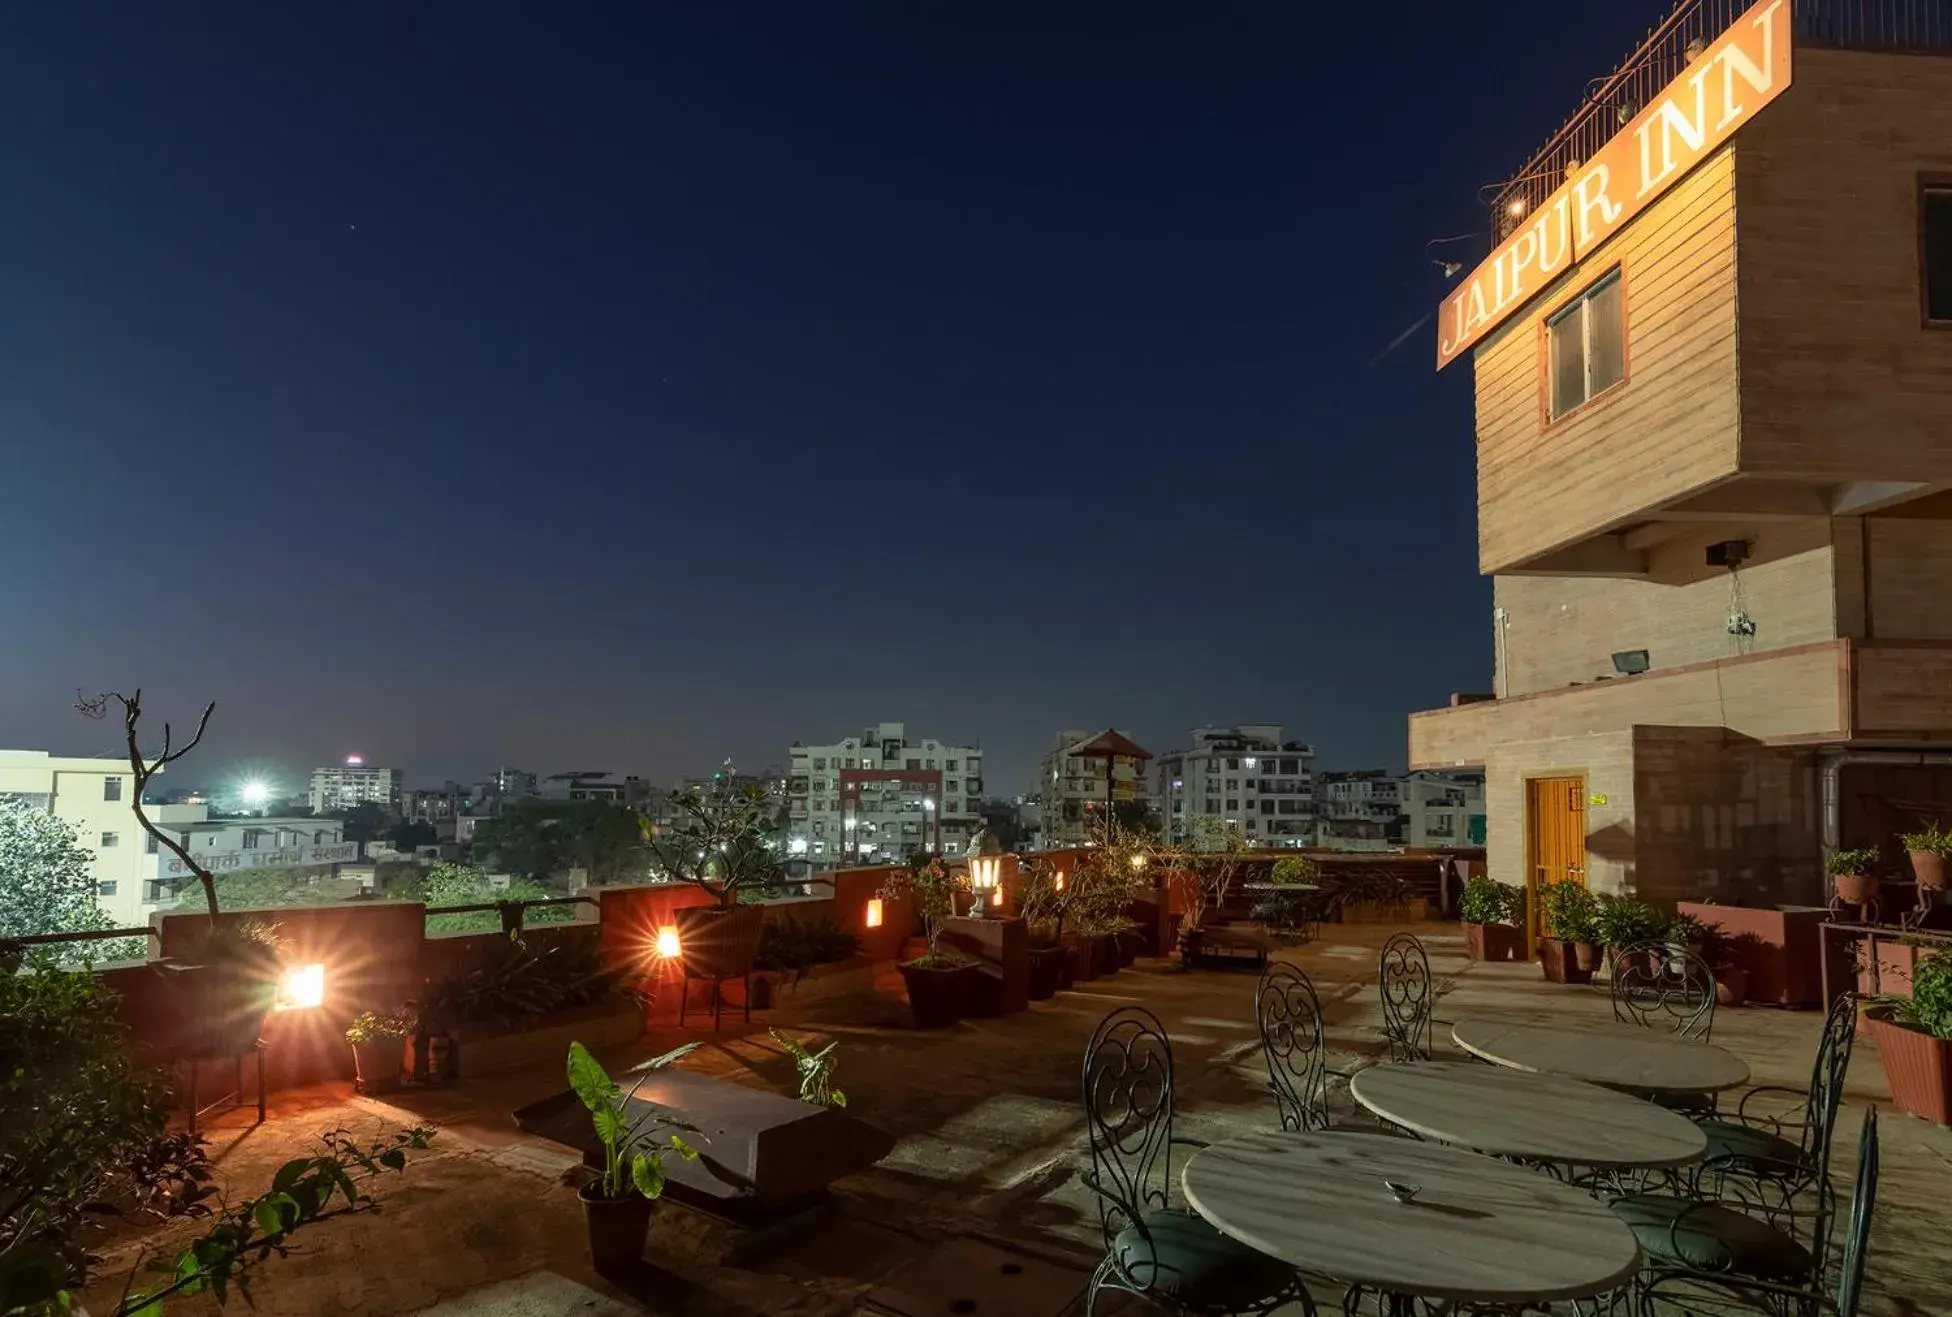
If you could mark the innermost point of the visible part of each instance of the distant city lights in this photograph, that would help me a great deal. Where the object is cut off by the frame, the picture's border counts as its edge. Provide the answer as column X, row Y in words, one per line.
column 355, row 761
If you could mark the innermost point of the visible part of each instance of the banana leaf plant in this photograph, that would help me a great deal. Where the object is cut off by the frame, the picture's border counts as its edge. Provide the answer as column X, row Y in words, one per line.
column 633, row 1149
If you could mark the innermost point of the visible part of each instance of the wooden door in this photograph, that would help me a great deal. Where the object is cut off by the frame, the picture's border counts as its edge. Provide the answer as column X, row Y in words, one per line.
column 1555, row 841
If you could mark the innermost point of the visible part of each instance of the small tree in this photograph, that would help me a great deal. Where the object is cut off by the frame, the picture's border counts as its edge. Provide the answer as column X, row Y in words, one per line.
column 720, row 840
column 933, row 888
column 144, row 768
column 1206, row 873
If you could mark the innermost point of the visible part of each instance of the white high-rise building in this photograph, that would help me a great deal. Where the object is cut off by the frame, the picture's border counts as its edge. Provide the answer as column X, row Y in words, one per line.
column 1072, row 789
column 877, row 797
column 1245, row 777
column 354, row 783
column 94, row 796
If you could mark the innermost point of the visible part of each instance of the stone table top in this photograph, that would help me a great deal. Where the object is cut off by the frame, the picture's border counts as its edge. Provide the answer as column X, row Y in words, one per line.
column 1477, row 1228
column 1513, row 1113
column 1622, row 1056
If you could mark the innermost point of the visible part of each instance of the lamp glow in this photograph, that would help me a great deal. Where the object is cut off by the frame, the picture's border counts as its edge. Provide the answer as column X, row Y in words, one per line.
column 667, row 943
column 300, row 987
column 872, row 919
column 996, row 897
column 255, row 793
column 1138, row 861
column 1057, row 881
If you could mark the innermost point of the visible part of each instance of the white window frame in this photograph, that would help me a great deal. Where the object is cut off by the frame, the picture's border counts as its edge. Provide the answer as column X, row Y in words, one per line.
column 1581, row 306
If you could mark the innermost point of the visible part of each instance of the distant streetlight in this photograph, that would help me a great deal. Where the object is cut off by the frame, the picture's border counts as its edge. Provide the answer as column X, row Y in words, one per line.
column 255, row 794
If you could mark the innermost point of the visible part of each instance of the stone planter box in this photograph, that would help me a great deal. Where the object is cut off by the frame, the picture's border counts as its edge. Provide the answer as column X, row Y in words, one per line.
column 1917, row 1066
column 1783, row 954
column 481, row 1049
column 1497, row 943
column 1560, row 960
column 1891, row 975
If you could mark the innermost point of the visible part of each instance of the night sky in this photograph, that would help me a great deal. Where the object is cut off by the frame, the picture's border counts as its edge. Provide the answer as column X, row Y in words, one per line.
column 626, row 386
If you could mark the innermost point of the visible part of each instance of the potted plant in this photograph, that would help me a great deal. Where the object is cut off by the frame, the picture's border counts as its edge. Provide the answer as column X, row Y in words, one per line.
column 816, row 1071
column 791, row 949
column 1621, row 922
column 1928, row 848
column 1567, row 952
column 941, row 986
column 1729, row 957
column 1687, row 932
column 1852, row 880
column 378, row 1046
column 1284, row 909
column 1041, row 900
column 617, row 1203
column 1489, row 910
column 1914, row 1040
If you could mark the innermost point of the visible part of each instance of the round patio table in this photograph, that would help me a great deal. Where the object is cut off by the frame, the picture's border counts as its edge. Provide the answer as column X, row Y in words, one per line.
column 1621, row 1056
column 1541, row 1118
column 1476, row 1229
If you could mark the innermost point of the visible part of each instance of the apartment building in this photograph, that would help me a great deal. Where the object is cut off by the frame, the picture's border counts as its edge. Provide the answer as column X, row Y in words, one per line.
column 228, row 845
column 594, row 784
column 354, row 782
column 1246, row 777
column 1073, row 787
column 1374, row 809
column 1714, row 450
column 94, row 797
column 878, row 796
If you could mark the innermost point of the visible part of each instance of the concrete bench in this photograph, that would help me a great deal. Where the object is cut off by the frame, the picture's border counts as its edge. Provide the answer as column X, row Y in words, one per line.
column 762, row 1157
column 1222, row 941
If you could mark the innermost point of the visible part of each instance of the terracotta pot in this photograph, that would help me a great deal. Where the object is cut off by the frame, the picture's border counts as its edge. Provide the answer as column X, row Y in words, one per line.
column 1104, row 956
column 937, row 998
column 1731, row 986
column 1494, row 942
column 1917, row 1066
column 765, row 988
column 377, row 1065
column 1929, row 868
column 617, row 1227
column 1561, row 962
column 1587, row 956
column 1046, row 972
column 1854, row 888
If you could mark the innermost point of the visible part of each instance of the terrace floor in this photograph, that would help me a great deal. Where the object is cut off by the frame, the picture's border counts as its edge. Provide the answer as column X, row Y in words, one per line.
column 983, row 1176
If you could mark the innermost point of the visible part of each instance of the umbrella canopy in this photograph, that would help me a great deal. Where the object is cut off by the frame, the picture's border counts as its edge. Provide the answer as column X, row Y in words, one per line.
column 1109, row 744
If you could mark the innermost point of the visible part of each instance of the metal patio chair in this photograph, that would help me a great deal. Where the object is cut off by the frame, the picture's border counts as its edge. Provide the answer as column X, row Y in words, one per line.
column 1403, row 979
column 1289, row 1016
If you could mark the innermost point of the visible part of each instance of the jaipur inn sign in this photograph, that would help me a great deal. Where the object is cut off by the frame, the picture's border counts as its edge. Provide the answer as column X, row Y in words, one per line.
column 1740, row 72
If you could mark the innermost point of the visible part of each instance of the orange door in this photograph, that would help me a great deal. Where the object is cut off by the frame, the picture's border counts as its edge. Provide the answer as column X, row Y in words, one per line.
column 1555, row 840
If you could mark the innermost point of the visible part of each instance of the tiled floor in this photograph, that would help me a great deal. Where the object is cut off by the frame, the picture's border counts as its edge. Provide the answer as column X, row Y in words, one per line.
column 990, row 1132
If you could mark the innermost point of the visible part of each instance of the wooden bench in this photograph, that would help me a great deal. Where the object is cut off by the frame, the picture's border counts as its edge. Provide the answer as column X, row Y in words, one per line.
column 1216, row 940
column 762, row 1157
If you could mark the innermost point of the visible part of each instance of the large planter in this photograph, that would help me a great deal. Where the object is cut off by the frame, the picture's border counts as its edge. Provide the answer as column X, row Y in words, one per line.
column 225, row 1006
column 1917, row 1066
column 1494, row 942
column 1104, row 955
column 618, row 1227
column 1560, row 961
column 1077, row 960
column 376, row 1065
column 1047, row 965
column 480, row 1048
column 1125, row 949
column 937, row 998
column 1780, row 947
column 1890, row 974
column 1588, row 956
column 1929, row 868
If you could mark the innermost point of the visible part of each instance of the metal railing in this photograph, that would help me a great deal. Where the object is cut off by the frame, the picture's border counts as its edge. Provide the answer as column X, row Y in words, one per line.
column 1611, row 101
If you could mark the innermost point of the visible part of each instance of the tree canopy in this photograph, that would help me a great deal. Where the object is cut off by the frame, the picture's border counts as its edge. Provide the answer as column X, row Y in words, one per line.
column 539, row 839
column 47, row 884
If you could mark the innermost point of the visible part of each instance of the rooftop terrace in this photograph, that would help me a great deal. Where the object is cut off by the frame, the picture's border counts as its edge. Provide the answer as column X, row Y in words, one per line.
column 979, row 1209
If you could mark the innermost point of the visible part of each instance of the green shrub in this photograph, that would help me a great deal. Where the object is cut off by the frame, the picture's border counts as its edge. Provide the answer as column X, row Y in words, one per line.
column 1568, row 912
column 1930, row 1005
column 1296, row 869
column 1930, row 838
column 1852, row 863
column 1622, row 922
column 1488, row 901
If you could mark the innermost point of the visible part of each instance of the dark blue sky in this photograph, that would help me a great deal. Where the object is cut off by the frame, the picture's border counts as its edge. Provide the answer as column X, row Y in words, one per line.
column 629, row 386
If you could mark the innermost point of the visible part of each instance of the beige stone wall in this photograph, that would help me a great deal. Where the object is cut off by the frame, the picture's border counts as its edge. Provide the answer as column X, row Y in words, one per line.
column 1562, row 630
column 1606, row 762
column 1839, row 378
column 1909, row 582
column 1669, row 429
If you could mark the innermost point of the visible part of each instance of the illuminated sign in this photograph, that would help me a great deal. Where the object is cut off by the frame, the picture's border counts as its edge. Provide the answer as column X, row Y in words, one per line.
column 1740, row 72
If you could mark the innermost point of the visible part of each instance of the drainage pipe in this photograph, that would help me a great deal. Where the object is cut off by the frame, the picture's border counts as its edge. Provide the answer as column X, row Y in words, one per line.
column 1835, row 761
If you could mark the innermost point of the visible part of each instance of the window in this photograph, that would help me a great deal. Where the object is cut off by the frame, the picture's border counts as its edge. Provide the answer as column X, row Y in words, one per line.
column 105, row 888
column 1232, row 805
column 820, row 763
column 149, row 846
column 1267, row 806
column 1935, row 247
column 1587, row 345
column 110, row 840
column 948, row 765
column 155, row 890
column 111, row 788
column 1233, row 784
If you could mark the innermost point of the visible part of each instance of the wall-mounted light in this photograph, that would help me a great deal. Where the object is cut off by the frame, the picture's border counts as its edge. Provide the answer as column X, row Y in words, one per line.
column 1630, row 662
column 668, row 945
column 1057, row 881
column 1515, row 207
column 300, row 987
column 872, row 919
column 985, row 856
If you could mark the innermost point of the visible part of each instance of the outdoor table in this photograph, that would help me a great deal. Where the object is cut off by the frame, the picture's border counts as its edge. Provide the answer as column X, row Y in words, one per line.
column 1538, row 1118
column 1477, row 1228
column 1620, row 1056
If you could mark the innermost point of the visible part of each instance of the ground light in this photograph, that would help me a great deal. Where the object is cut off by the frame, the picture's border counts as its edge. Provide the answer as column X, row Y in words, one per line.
column 300, row 987
column 668, row 945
